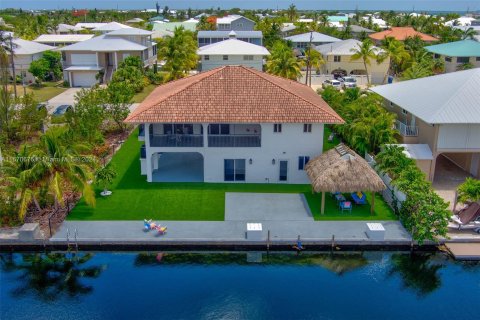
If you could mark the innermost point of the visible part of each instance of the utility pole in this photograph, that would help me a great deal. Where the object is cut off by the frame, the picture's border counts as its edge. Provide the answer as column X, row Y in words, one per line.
column 308, row 60
column 13, row 67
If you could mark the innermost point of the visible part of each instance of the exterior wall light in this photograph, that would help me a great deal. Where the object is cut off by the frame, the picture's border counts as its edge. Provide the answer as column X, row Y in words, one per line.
column 273, row 161
column 250, row 161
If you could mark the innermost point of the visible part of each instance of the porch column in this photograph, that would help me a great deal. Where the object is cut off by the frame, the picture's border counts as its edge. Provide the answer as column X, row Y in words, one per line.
column 431, row 174
column 322, row 211
column 70, row 78
column 116, row 60
column 205, row 134
column 98, row 63
column 148, row 153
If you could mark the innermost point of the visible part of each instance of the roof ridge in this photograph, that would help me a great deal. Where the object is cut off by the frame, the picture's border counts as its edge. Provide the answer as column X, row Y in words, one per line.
column 260, row 74
column 456, row 92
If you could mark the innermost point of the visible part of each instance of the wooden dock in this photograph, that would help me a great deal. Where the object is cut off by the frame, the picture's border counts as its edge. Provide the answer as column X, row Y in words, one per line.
column 464, row 251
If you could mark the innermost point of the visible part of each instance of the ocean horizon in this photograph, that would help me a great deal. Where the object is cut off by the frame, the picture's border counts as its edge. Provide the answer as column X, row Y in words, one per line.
column 346, row 5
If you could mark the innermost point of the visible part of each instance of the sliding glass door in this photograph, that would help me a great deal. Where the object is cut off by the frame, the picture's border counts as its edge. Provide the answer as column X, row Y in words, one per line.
column 234, row 169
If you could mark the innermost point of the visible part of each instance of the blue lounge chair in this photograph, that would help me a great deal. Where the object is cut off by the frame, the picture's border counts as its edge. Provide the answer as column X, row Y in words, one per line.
column 357, row 199
column 346, row 206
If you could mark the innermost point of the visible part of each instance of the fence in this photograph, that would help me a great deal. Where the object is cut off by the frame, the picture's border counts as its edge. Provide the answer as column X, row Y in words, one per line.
column 391, row 195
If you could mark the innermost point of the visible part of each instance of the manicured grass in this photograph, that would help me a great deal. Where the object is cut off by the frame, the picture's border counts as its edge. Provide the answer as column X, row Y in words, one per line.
column 135, row 199
column 139, row 97
column 44, row 93
column 327, row 145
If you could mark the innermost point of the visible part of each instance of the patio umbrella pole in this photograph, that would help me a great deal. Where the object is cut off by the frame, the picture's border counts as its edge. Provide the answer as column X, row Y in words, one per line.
column 323, row 202
column 373, row 202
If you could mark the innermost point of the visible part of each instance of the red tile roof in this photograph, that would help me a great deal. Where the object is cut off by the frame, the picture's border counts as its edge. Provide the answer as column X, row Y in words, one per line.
column 234, row 94
column 401, row 33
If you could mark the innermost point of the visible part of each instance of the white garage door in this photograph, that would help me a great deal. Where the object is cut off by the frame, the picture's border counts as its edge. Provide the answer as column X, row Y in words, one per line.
column 86, row 59
column 83, row 79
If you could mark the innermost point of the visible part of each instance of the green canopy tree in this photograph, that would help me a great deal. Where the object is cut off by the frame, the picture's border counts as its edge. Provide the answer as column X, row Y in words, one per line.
column 365, row 52
column 282, row 62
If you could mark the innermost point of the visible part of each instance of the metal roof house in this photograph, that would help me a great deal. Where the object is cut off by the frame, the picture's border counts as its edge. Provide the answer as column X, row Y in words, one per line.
column 209, row 37
column 82, row 61
column 338, row 60
column 60, row 40
column 235, row 22
column 232, row 52
column 301, row 41
column 442, row 111
column 231, row 124
column 457, row 53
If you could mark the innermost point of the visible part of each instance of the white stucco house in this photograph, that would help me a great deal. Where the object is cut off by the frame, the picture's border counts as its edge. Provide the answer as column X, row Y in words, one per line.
column 302, row 41
column 24, row 52
column 338, row 60
column 84, row 60
column 232, row 52
column 231, row 124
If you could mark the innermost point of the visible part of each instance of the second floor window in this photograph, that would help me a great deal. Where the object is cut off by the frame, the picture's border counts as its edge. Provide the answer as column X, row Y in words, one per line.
column 336, row 58
column 225, row 57
column 307, row 127
column 463, row 59
column 248, row 58
column 448, row 59
column 207, row 57
column 277, row 127
column 302, row 161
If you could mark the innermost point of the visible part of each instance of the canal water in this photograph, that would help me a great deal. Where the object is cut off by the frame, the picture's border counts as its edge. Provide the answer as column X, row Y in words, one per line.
column 238, row 285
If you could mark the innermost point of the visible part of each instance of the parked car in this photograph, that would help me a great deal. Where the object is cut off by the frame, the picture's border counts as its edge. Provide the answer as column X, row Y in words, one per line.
column 332, row 83
column 348, row 82
column 61, row 110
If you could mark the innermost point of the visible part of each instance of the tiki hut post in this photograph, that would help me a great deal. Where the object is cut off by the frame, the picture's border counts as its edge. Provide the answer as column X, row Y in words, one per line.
column 372, row 206
column 323, row 202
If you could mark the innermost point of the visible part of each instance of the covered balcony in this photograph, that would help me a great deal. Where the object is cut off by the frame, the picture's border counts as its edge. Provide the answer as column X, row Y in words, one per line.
column 406, row 130
column 234, row 135
column 176, row 135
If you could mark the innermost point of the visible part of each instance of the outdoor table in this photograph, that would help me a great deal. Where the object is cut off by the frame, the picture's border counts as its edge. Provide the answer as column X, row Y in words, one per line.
column 339, row 197
column 254, row 231
column 375, row 231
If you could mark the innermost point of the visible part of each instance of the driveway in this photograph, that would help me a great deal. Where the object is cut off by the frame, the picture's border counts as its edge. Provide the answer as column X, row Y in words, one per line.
column 66, row 97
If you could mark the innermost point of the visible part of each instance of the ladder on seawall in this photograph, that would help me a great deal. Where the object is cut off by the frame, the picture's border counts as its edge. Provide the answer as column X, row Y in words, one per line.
column 75, row 241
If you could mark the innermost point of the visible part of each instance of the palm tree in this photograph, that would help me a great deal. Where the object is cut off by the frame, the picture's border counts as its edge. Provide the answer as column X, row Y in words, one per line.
column 292, row 13
column 468, row 34
column 313, row 59
column 282, row 62
column 179, row 53
column 395, row 52
column 365, row 52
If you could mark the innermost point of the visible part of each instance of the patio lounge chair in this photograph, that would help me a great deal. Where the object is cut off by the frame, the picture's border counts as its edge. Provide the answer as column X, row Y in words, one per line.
column 468, row 217
column 346, row 206
column 359, row 197
column 331, row 136
column 160, row 229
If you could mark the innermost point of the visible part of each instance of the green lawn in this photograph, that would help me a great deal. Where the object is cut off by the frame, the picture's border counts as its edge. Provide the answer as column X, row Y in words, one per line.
column 139, row 97
column 327, row 145
column 135, row 199
column 47, row 91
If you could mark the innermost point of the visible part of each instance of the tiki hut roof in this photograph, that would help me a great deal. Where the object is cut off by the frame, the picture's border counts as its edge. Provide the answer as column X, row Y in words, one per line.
column 342, row 170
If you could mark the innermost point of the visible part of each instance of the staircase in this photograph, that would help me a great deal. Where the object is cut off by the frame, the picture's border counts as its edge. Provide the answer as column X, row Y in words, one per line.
column 108, row 74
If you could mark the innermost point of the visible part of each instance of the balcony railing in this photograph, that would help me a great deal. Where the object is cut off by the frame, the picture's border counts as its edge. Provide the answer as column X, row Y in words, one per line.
column 406, row 131
column 176, row 140
column 236, row 141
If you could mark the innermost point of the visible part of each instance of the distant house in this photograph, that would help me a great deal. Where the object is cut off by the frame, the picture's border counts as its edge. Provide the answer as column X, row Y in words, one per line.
column 209, row 37
column 287, row 29
column 442, row 112
column 338, row 60
column 63, row 28
column 135, row 20
column 231, row 124
column 60, row 40
column 89, row 25
column 401, row 34
column 24, row 52
column 356, row 31
column 84, row 60
column 302, row 41
column 235, row 22
column 457, row 53
column 161, row 30
column 109, row 27
column 232, row 52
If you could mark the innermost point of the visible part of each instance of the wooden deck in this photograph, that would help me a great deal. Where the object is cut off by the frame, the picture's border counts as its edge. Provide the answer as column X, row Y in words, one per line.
column 464, row 251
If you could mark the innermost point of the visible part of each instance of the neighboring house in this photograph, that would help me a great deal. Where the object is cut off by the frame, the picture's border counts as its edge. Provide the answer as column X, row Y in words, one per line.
column 231, row 124
column 287, row 29
column 302, row 41
column 338, row 60
column 357, row 31
column 89, row 25
column 135, row 20
column 161, row 30
column 382, row 24
column 401, row 34
column 462, row 21
column 84, row 60
column 235, row 22
column 158, row 18
column 455, row 54
column 63, row 28
column 109, row 27
column 209, row 37
column 232, row 52
column 442, row 112
column 60, row 40
column 24, row 52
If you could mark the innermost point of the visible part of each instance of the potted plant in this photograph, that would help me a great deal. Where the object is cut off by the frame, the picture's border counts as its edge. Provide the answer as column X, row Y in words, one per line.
column 104, row 177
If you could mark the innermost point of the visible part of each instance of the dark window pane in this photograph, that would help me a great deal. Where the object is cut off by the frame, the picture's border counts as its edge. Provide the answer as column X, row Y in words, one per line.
column 240, row 170
column 283, row 170
column 225, row 129
column 300, row 163
column 214, row 129
column 229, row 170
column 167, row 128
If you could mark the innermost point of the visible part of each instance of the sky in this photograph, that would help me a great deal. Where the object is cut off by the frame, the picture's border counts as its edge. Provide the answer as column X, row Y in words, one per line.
column 406, row 5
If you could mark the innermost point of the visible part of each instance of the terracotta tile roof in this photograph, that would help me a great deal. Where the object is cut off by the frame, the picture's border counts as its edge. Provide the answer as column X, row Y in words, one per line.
column 401, row 33
column 234, row 94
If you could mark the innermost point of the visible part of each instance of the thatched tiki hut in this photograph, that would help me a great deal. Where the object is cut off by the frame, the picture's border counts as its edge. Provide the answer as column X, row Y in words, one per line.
column 342, row 170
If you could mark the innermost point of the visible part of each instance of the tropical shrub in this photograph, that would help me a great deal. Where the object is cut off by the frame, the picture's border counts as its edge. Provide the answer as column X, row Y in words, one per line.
column 469, row 191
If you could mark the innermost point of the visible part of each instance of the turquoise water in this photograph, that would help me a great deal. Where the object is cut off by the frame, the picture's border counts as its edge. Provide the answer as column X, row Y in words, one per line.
column 370, row 285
